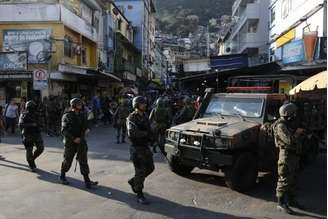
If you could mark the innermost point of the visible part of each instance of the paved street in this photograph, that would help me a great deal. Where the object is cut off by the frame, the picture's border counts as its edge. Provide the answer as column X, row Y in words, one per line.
column 24, row 194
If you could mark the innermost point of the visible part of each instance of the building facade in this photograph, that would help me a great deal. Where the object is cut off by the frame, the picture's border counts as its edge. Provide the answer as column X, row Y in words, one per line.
column 298, row 31
column 123, row 59
column 59, row 37
column 141, row 13
column 249, row 32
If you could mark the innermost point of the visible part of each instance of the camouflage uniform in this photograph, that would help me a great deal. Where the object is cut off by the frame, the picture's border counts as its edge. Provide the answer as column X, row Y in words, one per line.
column 74, row 126
column 139, row 133
column 120, row 116
column 160, row 119
column 286, row 138
column 289, row 158
column 31, row 133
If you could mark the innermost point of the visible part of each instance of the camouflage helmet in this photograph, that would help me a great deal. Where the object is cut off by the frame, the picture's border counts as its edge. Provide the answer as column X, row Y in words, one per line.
column 287, row 110
column 30, row 105
column 75, row 101
column 160, row 102
column 138, row 100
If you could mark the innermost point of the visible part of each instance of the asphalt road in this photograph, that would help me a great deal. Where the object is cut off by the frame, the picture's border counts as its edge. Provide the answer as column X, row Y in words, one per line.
column 24, row 194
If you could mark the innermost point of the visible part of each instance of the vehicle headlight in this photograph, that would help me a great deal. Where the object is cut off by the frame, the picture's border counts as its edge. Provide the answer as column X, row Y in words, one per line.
column 197, row 143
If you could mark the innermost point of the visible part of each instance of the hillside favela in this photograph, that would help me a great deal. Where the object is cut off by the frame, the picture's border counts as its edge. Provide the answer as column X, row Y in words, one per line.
column 163, row 109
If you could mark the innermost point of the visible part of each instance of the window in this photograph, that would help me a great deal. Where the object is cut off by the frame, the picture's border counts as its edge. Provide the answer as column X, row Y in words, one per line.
column 84, row 56
column 285, row 7
column 272, row 15
column 68, row 50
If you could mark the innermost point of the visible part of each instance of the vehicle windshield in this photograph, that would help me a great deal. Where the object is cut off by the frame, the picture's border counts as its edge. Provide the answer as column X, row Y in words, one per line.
column 246, row 107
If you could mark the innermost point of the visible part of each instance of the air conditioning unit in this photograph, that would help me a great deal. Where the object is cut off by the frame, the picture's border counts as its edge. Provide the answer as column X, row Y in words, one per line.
column 77, row 50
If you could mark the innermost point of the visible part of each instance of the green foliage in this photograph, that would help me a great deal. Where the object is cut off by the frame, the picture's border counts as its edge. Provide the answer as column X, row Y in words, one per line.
column 174, row 15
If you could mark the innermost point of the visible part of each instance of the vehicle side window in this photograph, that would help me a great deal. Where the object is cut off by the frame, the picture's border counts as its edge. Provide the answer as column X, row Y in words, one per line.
column 272, row 111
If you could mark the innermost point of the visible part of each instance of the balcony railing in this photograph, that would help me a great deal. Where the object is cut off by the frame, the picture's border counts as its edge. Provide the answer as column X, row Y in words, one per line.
column 127, row 67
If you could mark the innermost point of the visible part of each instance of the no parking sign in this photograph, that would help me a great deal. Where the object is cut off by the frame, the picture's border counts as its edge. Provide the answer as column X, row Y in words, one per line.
column 40, row 79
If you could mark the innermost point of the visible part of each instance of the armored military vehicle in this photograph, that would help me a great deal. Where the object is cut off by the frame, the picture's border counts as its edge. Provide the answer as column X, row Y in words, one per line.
column 226, row 135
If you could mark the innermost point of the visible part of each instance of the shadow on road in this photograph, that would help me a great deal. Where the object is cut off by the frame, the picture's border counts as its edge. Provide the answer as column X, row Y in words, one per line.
column 265, row 188
column 159, row 205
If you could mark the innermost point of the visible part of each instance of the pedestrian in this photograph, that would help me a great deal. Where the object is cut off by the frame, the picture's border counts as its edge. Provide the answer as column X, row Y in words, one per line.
column 286, row 137
column 120, row 116
column 160, row 120
column 74, row 129
column 187, row 112
column 139, row 133
column 11, row 114
column 31, row 133
column 105, row 109
column 96, row 106
column 22, row 105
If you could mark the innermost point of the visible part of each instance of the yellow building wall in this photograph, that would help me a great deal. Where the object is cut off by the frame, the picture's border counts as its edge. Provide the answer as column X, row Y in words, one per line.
column 91, row 49
column 58, row 32
column 76, row 38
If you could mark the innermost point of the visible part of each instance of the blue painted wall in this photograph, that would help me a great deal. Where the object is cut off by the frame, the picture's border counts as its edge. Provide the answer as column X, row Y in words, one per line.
column 136, row 16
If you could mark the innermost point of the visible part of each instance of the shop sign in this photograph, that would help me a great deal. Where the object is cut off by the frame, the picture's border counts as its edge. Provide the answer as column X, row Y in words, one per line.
column 13, row 61
column 229, row 61
column 40, row 79
column 287, row 37
column 36, row 42
column 293, row 52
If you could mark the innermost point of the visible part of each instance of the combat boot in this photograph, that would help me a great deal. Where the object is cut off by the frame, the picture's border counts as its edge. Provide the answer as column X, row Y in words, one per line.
column 63, row 179
column 88, row 183
column 123, row 140
column 141, row 199
column 118, row 140
column 32, row 165
column 131, row 182
column 282, row 206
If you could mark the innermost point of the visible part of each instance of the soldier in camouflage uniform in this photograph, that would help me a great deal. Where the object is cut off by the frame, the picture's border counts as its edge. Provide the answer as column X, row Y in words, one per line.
column 187, row 113
column 31, row 133
column 160, row 119
column 286, row 139
column 74, row 128
column 139, row 132
column 120, row 116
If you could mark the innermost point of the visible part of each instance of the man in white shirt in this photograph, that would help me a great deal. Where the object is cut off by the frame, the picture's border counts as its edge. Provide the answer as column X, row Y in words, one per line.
column 11, row 114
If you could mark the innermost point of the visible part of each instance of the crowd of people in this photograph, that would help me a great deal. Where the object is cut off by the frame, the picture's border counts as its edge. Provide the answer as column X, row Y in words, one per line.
column 144, row 120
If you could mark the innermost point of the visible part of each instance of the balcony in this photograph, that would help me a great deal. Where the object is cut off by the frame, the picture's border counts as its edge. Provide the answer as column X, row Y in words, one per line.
column 77, row 24
column 252, row 12
column 249, row 40
column 240, row 4
column 127, row 67
column 29, row 12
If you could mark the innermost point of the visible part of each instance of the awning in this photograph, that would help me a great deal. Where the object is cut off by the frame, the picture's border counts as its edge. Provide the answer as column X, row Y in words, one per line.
column 318, row 81
column 110, row 75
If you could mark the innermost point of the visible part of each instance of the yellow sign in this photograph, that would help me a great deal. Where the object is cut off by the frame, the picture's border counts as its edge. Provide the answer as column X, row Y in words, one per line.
column 287, row 37
column 284, row 87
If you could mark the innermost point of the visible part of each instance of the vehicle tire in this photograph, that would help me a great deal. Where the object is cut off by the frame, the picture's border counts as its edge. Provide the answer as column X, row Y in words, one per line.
column 177, row 167
column 243, row 174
